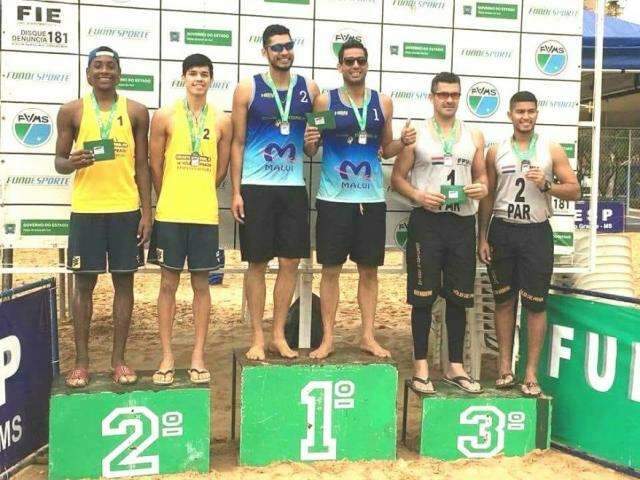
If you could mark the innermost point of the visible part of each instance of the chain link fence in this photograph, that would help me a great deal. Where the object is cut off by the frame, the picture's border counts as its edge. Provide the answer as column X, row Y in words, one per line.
column 619, row 164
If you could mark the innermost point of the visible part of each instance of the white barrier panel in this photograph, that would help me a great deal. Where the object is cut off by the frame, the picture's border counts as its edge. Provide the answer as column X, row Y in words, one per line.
column 498, row 47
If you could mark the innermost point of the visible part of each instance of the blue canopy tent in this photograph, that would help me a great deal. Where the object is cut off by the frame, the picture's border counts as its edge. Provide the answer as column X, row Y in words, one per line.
column 621, row 43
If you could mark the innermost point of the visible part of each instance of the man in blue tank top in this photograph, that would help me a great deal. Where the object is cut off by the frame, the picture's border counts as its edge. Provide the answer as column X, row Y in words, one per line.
column 350, row 202
column 269, row 199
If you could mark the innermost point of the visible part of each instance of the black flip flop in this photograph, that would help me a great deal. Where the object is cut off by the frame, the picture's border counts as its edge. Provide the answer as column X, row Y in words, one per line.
column 457, row 382
column 506, row 385
column 423, row 381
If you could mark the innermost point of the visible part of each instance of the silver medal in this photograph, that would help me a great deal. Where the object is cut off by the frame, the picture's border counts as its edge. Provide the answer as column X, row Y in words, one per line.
column 284, row 128
column 448, row 160
column 195, row 159
column 362, row 138
column 525, row 165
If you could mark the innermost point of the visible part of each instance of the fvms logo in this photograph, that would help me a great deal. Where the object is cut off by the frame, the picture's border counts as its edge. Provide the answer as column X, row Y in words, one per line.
column 483, row 99
column 360, row 171
column 32, row 127
column 342, row 36
column 551, row 57
column 401, row 233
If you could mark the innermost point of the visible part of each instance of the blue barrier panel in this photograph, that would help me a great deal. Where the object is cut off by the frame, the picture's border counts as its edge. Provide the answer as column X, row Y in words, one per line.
column 26, row 372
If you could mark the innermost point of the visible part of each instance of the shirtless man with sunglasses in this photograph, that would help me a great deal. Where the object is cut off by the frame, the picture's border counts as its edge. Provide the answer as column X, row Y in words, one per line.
column 270, row 200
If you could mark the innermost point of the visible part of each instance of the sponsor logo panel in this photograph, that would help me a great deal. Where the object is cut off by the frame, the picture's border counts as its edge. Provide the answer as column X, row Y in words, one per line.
column 132, row 30
column 551, row 57
column 251, row 40
column 362, row 10
column 214, row 35
column 225, row 78
column 550, row 16
column 486, row 101
column 45, row 27
column 432, row 13
column 416, row 49
column 226, row 6
column 279, row 8
column 34, row 77
column 488, row 15
column 329, row 36
column 495, row 54
column 558, row 102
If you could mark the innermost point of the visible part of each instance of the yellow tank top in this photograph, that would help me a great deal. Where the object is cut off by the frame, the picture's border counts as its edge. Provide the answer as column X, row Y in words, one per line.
column 188, row 193
column 107, row 186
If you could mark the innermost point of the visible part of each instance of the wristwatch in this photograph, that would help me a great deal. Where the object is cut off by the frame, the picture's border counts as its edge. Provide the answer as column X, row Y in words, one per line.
column 547, row 186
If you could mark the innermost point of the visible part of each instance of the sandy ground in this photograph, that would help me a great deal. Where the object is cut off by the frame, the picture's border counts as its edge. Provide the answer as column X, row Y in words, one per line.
column 228, row 331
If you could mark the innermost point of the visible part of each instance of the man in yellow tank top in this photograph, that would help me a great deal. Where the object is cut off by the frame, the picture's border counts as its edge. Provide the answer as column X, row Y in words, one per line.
column 189, row 155
column 103, row 139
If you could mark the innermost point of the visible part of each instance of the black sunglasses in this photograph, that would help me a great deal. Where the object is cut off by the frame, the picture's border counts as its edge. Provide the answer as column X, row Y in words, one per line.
column 279, row 47
column 362, row 61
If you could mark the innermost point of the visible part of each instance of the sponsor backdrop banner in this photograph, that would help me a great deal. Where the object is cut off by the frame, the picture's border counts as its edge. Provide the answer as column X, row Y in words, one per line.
column 25, row 375
column 497, row 46
column 590, row 365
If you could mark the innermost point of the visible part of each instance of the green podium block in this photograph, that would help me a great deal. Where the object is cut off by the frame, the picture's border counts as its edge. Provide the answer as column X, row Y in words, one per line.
column 343, row 407
column 457, row 425
column 109, row 430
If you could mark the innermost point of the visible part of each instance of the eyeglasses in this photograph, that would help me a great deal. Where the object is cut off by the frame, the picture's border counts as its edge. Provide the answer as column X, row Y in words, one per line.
column 279, row 47
column 446, row 95
column 349, row 62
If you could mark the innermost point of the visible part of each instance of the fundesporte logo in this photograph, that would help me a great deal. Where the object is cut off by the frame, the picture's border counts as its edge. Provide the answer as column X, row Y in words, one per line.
column 551, row 57
column 274, row 151
column 483, row 99
column 32, row 127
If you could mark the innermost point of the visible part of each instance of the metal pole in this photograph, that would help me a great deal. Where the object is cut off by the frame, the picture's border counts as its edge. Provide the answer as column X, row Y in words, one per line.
column 70, row 279
column 304, row 326
column 7, row 261
column 629, row 175
column 62, row 285
column 595, row 141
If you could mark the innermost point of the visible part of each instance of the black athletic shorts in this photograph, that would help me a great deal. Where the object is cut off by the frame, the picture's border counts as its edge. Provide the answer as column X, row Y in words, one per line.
column 172, row 243
column 521, row 259
column 95, row 236
column 356, row 230
column 441, row 258
column 276, row 223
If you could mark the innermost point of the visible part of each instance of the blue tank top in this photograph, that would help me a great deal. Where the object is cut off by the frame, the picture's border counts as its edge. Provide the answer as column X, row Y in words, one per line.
column 352, row 172
column 271, row 158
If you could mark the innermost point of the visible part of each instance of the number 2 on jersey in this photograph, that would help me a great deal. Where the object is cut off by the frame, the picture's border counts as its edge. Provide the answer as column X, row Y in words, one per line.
column 519, row 197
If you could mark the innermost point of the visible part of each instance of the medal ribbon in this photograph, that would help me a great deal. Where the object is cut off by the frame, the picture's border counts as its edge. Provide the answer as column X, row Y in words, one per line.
column 105, row 128
column 361, row 119
column 282, row 110
column 529, row 153
column 195, row 136
column 447, row 143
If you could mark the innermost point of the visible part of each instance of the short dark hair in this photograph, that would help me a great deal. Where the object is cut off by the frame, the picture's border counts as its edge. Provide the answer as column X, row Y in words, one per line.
column 522, row 96
column 351, row 43
column 271, row 30
column 444, row 77
column 197, row 60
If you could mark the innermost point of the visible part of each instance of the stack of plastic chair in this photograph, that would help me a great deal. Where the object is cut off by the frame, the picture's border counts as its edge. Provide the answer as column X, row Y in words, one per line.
column 613, row 272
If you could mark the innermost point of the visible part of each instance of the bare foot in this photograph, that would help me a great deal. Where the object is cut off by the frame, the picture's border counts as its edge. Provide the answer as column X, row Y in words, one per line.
column 281, row 347
column 323, row 351
column 374, row 348
column 256, row 352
